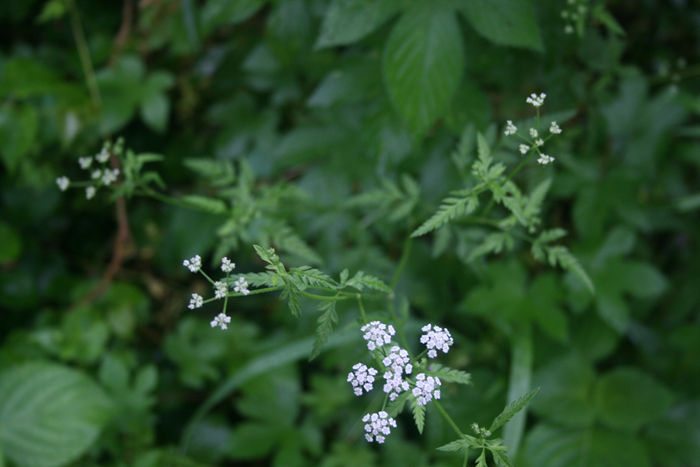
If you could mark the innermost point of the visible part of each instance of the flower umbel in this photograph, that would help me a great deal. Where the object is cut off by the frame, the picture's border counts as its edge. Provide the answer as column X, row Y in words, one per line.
column 63, row 183
column 195, row 302
column 397, row 364
column 510, row 128
column 555, row 128
column 425, row 389
column 377, row 334
column 377, row 426
column 361, row 378
column 436, row 338
column 220, row 289
column 545, row 159
column 536, row 101
column 221, row 320
column 227, row 265
column 524, row 148
column 194, row 264
column 241, row 286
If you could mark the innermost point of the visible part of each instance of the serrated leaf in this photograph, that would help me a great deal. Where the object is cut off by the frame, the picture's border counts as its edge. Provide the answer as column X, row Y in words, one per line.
column 511, row 409
column 259, row 279
column 49, row 414
column 506, row 22
column 423, row 64
column 418, row 414
column 449, row 209
column 325, row 327
column 292, row 294
column 534, row 201
column 361, row 280
column 562, row 256
column 449, row 375
column 454, row 446
column 395, row 407
column 501, row 458
column 313, row 277
column 481, row 460
column 492, row 243
column 205, row 203
column 348, row 21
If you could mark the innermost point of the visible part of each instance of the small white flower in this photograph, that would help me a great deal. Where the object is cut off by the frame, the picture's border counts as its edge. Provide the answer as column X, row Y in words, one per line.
column 436, row 338
column 103, row 156
column 196, row 302
column 194, row 263
column 221, row 320
column 539, row 142
column 510, row 128
column 220, row 289
column 397, row 363
column 564, row 14
column 63, row 183
column 555, row 128
column 568, row 29
column 377, row 334
column 90, row 192
column 545, row 159
column 96, row 174
column 227, row 265
column 536, row 101
column 241, row 286
column 425, row 389
column 524, row 148
column 377, row 426
column 109, row 176
column 361, row 378
column 85, row 162
column 533, row 132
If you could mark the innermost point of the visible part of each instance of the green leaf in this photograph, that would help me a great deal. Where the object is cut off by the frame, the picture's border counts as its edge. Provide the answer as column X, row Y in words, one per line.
column 481, row 460
column 395, row 407
column 449, row 375
column 511, row 409
column 361, row 280
column 204, row 203
column 627, row 399
column 53, row 9
column 10, row 243
column 292, row 292
column 313, row 277
column 454, row 446
column 418, row 414
column 505, row 22
column 562, row 256
column 325, row 327
column 348, row 21
column 460, row 203
column 155, row 110
column 501, row 458
column 423, row 64
column 49, row 414
column 216, row 12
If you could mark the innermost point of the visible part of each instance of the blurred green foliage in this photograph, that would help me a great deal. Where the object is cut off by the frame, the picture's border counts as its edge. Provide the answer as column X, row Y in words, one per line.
column 331, row 130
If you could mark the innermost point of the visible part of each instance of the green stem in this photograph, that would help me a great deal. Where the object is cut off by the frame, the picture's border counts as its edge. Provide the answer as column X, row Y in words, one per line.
column 323, row 297
column 362, row 309
column 519, row 384
column 448, row 418
column 402, row 262
column 84, row 55
column 512, row 174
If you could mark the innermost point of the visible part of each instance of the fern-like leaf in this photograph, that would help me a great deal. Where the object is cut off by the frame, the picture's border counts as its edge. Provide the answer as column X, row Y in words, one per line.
column 205, row 204
column 259, row 279
column 501, row 458
column 454, row 446
column 324, row 328
column 449, row 375
column 291, row 292
column 511, row 409
column 493, row 243
column 481, row 460
column 418, row 414
column 562, row 256
column 361, row 280
column 458, row 204
column 396, row 406
column 313, row 277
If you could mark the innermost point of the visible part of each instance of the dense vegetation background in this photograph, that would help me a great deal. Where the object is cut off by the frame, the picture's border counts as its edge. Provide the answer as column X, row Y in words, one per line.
column 331, row 130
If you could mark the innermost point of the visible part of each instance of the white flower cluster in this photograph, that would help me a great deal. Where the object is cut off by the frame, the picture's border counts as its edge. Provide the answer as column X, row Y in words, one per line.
column 436, row 338
column 377, row 334
column 196, row 302
column 555, row 128
column 361, row 378
column 377, row 426
column 220, row 289
column 397, row 364
column 241, row 286
column 425, row 389
column 545, row 159
column 536, row 101
column 103, row 175
column 221, row 320
column 194, row 264
column 510, row 128
column 227, row 265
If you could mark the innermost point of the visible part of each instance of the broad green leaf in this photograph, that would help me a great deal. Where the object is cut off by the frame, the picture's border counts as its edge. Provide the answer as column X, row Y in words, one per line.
column 551, row 446
column 505, row 22
column 53, row 9
column 325, row 327
column 49, row 414
column 155, row 110
column 566, row 392
column 348, row 21
column 10, row 243
column 423, row 64
column 216, row 12
column 511, row 409
column 627, row 399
